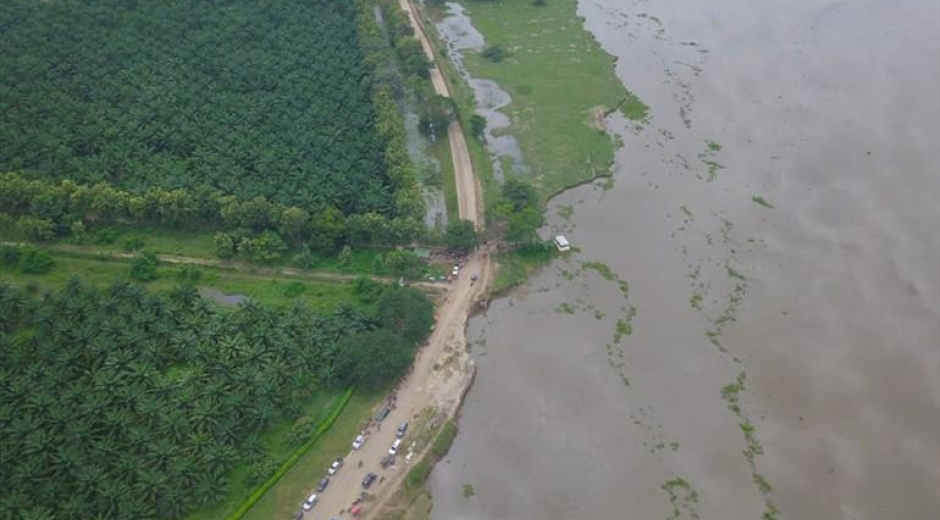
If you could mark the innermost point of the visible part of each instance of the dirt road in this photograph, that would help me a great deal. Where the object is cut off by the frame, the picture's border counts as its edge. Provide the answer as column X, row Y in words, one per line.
column 468, row 200
column 443, row 369
column 244, row 269
column 438, row 379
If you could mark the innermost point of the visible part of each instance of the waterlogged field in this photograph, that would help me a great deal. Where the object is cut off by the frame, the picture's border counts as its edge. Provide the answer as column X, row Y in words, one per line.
column 560, row 83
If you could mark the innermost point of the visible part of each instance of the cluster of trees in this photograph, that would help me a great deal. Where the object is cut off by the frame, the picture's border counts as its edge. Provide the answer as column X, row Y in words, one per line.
column 120, row 403
column 520, row 207
column 177, row 102
column 27, row 260
column 46, row 210
column 401, row 36
column 271, row 99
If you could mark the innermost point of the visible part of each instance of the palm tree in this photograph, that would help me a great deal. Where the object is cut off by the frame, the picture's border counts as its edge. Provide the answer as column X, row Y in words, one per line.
column 38, row 513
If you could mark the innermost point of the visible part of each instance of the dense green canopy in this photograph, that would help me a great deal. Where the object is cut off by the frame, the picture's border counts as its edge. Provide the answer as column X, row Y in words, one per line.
column 121, row 403
column 254, row 98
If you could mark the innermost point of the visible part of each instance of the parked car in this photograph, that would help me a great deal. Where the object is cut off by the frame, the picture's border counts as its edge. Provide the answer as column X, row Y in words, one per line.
column 334, row 467
column 360, row 440
column 383, row 413
column 311, row 501
column 299, row 514
column 387, row 461
column 321, row 486
column 401, row 430
column 395, row 445
column 456, row 270
column 370, row 478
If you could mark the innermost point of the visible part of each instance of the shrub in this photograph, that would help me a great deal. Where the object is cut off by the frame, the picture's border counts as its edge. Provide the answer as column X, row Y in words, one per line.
column 366, row 289
column 494, row 53
column 189, row 274
column 144, row 267
column 34, row 261
column 294, row 289
column 478, row 126
column 40, row 229
column 105, row 236
column 132, row 244
column 9, row 256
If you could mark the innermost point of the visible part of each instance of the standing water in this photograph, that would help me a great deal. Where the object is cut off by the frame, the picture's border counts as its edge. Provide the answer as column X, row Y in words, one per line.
column 458, row 32
column 751, row 328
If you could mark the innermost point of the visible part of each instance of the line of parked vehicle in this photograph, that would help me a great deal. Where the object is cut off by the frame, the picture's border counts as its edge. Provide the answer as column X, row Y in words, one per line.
column 369, row 479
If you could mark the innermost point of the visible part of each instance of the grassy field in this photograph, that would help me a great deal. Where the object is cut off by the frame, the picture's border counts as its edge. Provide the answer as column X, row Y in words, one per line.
column 559, row 78
column 102, row 271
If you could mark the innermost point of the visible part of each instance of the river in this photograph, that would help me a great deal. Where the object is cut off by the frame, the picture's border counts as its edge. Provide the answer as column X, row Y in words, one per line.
column 774, row 348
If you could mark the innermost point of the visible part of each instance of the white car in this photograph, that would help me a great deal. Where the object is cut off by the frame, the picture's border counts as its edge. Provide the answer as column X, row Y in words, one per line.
column 456, row 270
column 334, row 467
column 360, row 440
column 311, row 501
column 395, row 445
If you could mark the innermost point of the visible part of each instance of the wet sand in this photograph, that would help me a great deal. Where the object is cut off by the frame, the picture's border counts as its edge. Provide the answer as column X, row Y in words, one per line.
column 828, row 303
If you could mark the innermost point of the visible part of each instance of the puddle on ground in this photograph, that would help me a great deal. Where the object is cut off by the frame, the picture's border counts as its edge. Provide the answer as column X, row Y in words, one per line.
column 459, row 34
column 220, row 297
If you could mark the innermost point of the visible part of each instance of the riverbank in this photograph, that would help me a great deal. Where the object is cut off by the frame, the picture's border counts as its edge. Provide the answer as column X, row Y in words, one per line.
column 573, row 148
column 747, row 386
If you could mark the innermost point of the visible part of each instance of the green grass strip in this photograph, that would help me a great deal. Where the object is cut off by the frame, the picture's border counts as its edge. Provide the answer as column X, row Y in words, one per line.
column 294, row 457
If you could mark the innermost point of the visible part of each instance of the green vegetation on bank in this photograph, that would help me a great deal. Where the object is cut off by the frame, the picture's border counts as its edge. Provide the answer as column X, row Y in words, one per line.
column 131, row 404
column 516, row 265
column 412, row 500
column 561, row 83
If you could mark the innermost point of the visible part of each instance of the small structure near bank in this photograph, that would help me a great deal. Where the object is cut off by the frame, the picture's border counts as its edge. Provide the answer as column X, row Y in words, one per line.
column 423, row 254
column 561, row 243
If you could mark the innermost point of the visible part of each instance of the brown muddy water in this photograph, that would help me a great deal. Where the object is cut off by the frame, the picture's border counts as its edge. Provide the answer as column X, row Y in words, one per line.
column 775, row 350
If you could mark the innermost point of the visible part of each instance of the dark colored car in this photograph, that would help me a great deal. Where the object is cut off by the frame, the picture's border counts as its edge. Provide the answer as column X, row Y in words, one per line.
column 388, row 460
column 383, row 413
column 322, row 484
column 299, row 515
column 370, row 478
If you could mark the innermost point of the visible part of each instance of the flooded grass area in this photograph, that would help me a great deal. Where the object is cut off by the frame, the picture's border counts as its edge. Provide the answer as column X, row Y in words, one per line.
column 555, row 73
column 516, row 265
